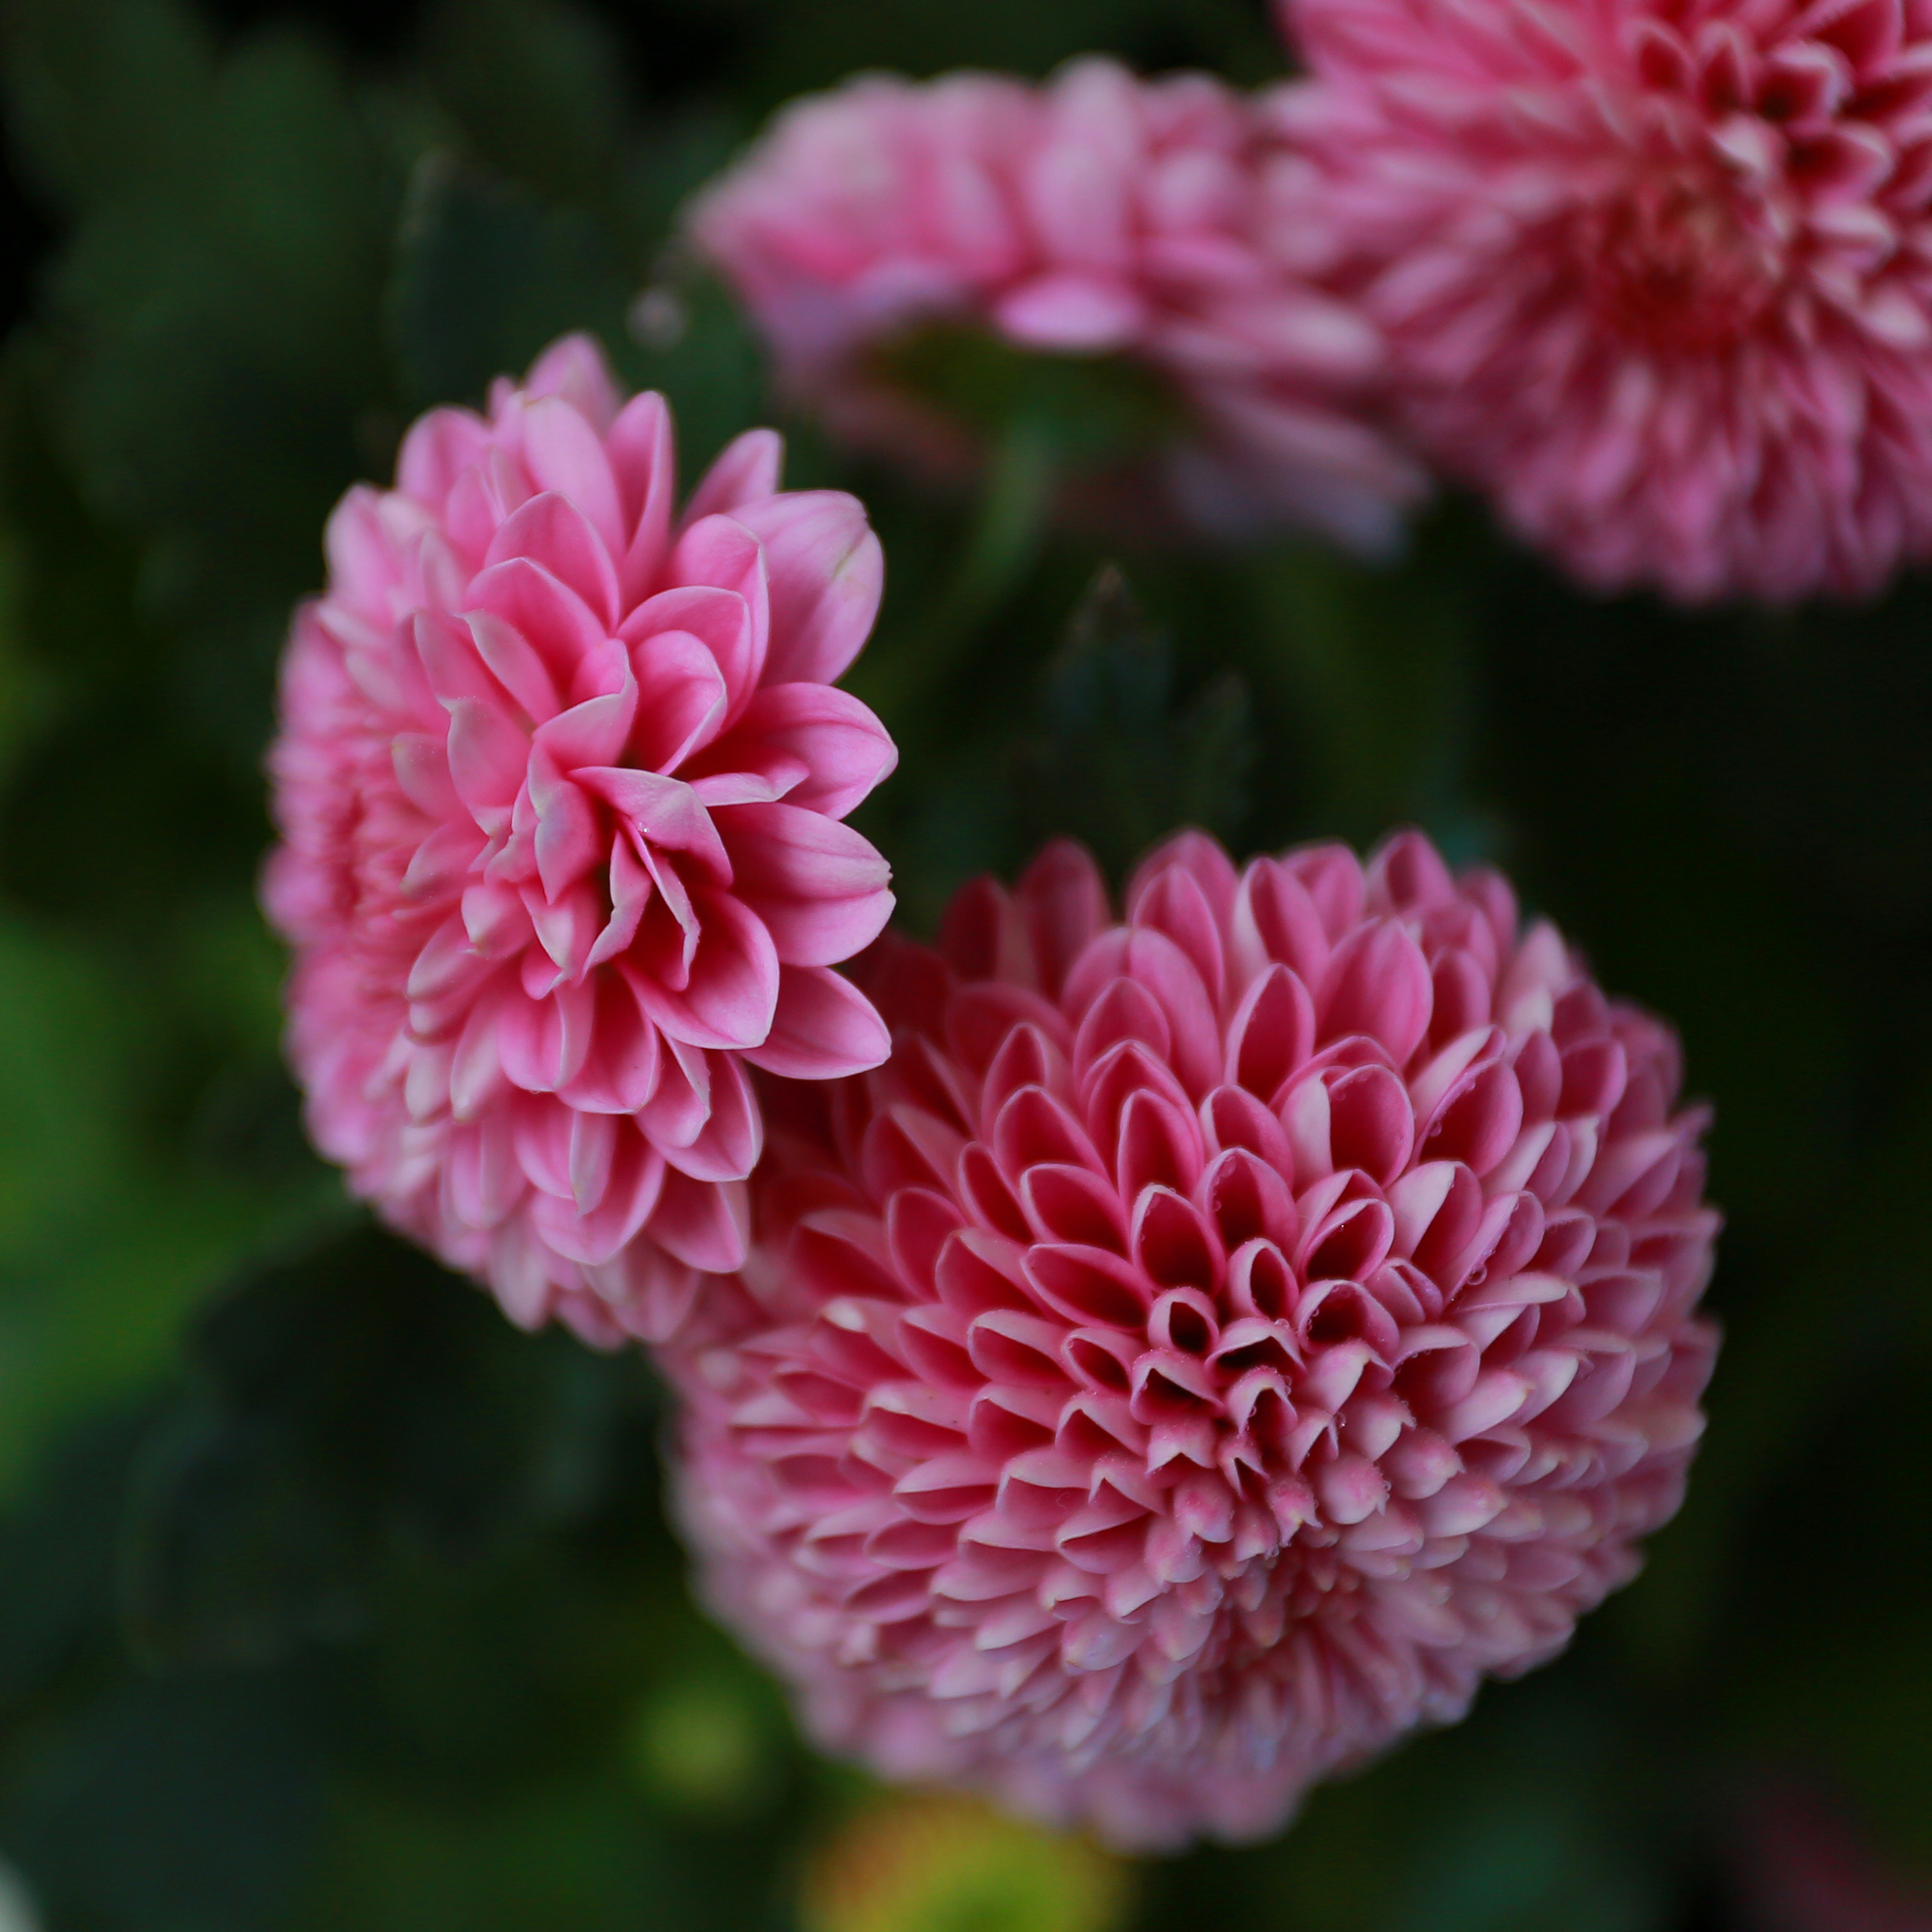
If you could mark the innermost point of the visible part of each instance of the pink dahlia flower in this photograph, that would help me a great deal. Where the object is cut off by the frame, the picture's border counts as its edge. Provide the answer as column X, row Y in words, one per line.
column 1658, row 274
column 1098, row 215
column 1212, row 1343
column 559, row 783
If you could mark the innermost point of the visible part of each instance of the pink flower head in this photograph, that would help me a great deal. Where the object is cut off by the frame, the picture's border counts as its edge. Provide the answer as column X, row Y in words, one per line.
column 1097, row 215
column 560, row 784
column 1211, row 1343
column 1654, row 272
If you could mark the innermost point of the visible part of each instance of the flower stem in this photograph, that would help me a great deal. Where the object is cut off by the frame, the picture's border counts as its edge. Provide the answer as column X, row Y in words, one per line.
column 1021, row 476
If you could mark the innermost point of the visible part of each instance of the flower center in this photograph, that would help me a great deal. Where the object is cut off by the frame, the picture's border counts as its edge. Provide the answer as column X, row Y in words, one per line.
column 1666, row 263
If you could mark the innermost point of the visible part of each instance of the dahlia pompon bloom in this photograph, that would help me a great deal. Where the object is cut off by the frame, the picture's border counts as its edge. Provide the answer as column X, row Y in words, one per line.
column 1097, row 215
column 559, row 783
column 1656, row 274
column 1210, row 1344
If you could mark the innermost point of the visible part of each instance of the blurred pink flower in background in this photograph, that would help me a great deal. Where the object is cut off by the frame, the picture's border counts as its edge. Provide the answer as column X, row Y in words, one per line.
column 1801, row 1865
column 1210, row 1344
column 560, row 784
column 1095, row 215
column 1656, row 274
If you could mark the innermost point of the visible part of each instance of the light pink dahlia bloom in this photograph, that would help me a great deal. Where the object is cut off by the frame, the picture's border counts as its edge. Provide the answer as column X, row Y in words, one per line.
column 559, row 783
column 1210, row 1344
column 1098, row 215
column 1658, row 274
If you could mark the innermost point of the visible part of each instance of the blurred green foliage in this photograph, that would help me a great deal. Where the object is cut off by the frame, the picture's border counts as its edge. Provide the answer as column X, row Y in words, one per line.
column 952, row 1864
column 327, row 1598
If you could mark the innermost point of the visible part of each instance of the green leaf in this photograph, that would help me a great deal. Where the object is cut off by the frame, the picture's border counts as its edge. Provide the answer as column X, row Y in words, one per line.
column 1092, row 410
column 103, row 1247
column 538, row 89
column 28, row 692
column 64, row 1534
column 576, row 1856
column 182, row 1807
column 1373, row 668
column 104, row 93
column 933, row 1863
column 1117, row 757
column 693, row 344
column 349, row 1400
column 705, row 1743
column 211, row 370
column 486, row 275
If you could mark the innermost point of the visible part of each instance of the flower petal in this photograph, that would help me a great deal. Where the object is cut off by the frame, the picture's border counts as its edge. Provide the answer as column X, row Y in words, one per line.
column 819, row 888
column 682, row 699
column 844, row 750
column 573, row 367
column 731, row 624
column 620, row 1072
column 731, row 983
column 630, row 1195
column 439, row 448
column 728, row 1146
column 746, row 471
column 826, row 573
column 560, row 626
column 488, row 757
column 823, row 1028
column 564, row 454
column 550, row 529
column 665, row 811
column 704, row 1226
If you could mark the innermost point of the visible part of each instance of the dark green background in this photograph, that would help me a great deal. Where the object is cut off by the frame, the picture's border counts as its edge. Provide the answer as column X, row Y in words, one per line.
column 326, row 1599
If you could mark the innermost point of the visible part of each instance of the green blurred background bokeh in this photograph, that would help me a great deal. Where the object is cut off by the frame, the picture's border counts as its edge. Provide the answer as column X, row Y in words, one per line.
column 328, row 1599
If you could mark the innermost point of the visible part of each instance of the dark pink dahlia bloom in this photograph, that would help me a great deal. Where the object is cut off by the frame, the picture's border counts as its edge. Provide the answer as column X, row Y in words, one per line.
column 1210, row 1344
column 1658, row 274
column 559, row 783
column 1097, row 214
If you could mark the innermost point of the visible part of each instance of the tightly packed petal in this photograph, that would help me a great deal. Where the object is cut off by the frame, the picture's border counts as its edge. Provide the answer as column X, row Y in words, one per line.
column 1211, row 1344
column 1096, row 216
column 1658, row 274
column 559, row 783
